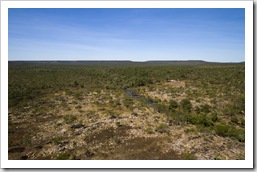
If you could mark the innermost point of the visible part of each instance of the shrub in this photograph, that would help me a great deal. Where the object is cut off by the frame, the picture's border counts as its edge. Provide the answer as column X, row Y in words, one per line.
column 204, row 108
column 242, row 121
column 217, row 157
column 161, row 108
column 221, row 129
column 139, row 82
column 118, row 124
column 149, row 130
column 240, row 135
column 186, row 105
column 63, row 156
column 162, row 128
column 69, row 119
column 214, row 117
column 128, row 102
column 234, row 120
column 201, row 119
column 26, row 140
column 79, row 107
column 229, row 131
column 75, row 83
column 116, row 139
column 56, row 140
column 78, row 95
column 190, row 130
column 188, row 156
column 173, row 105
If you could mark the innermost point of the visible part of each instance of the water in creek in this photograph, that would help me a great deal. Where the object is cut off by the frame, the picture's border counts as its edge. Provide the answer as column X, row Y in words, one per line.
column 135, row 95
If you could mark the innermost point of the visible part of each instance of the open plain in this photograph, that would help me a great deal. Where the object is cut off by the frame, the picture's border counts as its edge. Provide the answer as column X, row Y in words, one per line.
column 126, row 110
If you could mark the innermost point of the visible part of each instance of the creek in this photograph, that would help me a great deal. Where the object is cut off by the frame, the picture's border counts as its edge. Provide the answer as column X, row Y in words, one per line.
column 135, row 95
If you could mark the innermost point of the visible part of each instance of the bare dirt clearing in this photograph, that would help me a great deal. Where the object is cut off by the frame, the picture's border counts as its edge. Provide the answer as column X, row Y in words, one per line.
column 176, row 83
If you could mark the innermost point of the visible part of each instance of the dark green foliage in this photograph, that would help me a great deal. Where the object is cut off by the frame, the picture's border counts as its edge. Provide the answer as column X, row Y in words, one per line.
column 161, row 108
column 229, row 131
column 139, row 82
column 186, row 105
column 212, row 102
column 28, row 80
column 237, row 107
column 205, row 108
column 221, row 129
column 242, row 121
column 173, row 105
column 76, row 83
column 214, row 117
column 212, row 90
column 234, row 120
column 201, row 119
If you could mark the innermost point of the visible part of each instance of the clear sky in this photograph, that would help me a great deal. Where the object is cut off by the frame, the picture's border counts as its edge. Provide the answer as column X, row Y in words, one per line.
column 127, row 34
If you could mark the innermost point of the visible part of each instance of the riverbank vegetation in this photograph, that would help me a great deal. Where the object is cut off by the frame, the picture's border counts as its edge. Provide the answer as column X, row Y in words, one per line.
column 82, row 110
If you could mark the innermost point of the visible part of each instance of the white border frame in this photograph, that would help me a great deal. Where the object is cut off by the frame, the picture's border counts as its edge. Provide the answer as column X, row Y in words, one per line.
column 247, row 163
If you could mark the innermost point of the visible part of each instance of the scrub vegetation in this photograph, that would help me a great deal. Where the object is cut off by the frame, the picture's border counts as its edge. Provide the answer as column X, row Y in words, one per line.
column 126, row 110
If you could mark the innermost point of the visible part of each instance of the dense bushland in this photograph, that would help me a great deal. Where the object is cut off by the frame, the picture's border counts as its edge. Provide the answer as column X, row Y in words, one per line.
column 223, row 85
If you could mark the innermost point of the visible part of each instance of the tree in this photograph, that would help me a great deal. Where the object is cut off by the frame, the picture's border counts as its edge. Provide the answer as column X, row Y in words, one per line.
column 201, row 119
column 186, row 105
column 173, row 105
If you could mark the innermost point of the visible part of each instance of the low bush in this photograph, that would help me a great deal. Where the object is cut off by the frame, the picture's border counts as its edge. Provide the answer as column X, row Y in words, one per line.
column 234, row 120
column 188, row 156
column 201, row 119
column 229, row 131
column 173, row 105
column 162, row 128
column 149, row 130
column 63, row 156
column 186, row 105
column 69, row 119
column 56, row 140
column 242, row 122
column 214, row 117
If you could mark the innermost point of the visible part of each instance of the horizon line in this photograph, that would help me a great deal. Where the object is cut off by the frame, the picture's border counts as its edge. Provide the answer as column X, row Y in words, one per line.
column 136, row 61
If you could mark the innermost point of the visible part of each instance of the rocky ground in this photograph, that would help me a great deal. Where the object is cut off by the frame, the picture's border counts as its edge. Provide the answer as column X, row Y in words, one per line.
column 100, row 125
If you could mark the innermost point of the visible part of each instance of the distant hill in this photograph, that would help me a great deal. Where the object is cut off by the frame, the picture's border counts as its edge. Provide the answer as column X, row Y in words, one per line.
column 179, row 62
column 190, row 62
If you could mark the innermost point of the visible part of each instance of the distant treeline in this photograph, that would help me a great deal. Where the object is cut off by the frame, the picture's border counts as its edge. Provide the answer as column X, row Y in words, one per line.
column 173, row 62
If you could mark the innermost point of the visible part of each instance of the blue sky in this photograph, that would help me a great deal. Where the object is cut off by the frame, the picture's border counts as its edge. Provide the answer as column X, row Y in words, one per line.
column 127, row 34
